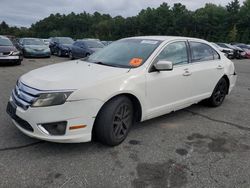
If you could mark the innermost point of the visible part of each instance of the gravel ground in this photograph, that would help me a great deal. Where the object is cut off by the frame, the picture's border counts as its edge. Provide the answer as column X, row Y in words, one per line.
column 194, row 147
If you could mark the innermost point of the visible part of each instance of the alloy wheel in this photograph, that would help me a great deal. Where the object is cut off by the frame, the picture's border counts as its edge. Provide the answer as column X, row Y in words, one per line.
column 220, row 92
column 122, row 121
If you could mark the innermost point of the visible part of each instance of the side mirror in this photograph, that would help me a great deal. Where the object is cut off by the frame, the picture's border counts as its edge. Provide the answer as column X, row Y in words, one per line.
column 163, row 65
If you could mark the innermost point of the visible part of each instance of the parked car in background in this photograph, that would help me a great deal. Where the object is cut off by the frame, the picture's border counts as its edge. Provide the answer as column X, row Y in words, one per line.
column 131, row 80
column 236, row 51
column 60, row 46
column 227, row 51
column 246, row 49
column 46, row 41
column 241, row 51
column 8, row 52
column 33, row 47
column 83, row 48
column 90, row 39
column 106, row 43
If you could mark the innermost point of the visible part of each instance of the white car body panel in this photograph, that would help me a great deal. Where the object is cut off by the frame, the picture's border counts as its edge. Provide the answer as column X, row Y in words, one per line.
column 93, row 85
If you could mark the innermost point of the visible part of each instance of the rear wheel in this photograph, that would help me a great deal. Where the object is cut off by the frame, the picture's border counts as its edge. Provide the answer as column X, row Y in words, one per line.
column 114, row 121
column 219, row 93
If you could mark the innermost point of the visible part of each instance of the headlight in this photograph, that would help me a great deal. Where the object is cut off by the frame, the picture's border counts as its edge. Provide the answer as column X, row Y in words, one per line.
column 15, row 53
column 51, row 99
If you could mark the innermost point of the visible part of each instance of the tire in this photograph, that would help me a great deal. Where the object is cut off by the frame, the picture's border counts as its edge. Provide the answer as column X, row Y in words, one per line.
column 219, row 93
column 87, row 55
column 114, row 121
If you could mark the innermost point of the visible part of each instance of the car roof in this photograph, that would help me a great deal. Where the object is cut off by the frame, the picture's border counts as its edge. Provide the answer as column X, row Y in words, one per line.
column 61, row 37
column 29, row 38
column 165, row 38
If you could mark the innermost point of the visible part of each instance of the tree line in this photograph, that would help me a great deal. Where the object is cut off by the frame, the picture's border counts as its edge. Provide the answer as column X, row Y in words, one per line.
column 211, row 22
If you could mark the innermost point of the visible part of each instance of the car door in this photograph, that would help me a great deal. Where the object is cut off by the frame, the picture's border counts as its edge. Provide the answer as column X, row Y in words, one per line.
column 206, row 69
column 74, row 49
column 169, row 90
column 82, row 50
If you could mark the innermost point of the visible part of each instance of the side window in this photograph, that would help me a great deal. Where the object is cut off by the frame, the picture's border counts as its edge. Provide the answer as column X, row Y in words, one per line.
column 81, row 44
column 175, row 52
column 216, row 55
column 202, row 52
column 76, row 44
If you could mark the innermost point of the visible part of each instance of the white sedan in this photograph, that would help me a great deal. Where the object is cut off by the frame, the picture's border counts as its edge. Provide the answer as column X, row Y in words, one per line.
column 133, row 79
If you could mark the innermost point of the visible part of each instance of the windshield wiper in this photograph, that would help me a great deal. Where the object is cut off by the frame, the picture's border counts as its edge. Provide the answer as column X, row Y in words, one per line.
column 101, row 63
column 106, row 64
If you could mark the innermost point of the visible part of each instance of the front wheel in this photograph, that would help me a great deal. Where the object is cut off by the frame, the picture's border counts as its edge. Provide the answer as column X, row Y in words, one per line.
column 219, row 93
column 114, row 121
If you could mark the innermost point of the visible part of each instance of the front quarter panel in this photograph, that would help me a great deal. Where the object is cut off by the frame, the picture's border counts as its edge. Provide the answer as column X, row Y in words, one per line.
column 132, row 83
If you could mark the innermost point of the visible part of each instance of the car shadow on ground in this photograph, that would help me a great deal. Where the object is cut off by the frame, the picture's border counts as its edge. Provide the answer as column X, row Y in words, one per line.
column 65, row 148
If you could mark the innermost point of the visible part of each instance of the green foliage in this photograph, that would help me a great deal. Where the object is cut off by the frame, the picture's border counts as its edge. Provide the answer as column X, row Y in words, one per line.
column 212, row 22
column 233, row 34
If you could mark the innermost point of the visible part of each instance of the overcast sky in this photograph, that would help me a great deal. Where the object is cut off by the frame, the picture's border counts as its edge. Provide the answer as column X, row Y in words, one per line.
column 26, row 12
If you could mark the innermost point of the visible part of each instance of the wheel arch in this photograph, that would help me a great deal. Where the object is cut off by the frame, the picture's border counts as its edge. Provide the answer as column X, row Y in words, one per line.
column 136, row 105
column 228, row 82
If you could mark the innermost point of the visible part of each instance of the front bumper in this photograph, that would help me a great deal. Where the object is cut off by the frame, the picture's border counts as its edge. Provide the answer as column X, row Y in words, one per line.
column 37, row 54
column 74, row 113
column 7, row 59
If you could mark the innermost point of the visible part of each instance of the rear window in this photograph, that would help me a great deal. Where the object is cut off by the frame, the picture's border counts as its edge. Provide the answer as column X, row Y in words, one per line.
column 202, row 52
column 93, row 44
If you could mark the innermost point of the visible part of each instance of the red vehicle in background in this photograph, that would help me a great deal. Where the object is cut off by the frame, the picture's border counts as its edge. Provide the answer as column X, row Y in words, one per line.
column 246, row 49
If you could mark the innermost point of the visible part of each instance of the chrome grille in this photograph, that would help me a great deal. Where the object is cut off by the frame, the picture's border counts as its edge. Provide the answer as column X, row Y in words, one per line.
column 24, row 96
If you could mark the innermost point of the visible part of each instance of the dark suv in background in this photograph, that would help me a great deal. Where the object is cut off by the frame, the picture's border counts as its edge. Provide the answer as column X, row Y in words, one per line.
column 83, row 48
column 60, row 46
column 8, row 52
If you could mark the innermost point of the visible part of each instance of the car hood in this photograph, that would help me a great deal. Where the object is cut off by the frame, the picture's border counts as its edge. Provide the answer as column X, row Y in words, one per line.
column 70, row 75
column 4, row 49
column 36, row 47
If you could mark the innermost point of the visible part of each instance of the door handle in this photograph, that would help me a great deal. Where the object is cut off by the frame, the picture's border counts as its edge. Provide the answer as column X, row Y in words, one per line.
column 187, row 73
column 220, row 67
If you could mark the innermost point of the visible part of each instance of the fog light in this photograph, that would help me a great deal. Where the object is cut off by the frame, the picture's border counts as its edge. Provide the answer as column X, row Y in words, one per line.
column 57, row 128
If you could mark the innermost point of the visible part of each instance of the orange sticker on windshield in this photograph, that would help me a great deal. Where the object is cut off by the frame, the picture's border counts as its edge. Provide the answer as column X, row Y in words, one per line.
column 135, row 62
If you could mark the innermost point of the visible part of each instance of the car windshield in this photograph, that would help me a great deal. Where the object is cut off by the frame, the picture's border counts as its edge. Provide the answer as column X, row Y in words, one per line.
column 127, row 53
column 93, row 44
column 5, row 42
column 244, row 46
column 215, row 45
column 33, row 42
column 66, row 40
column 222, row 45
